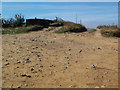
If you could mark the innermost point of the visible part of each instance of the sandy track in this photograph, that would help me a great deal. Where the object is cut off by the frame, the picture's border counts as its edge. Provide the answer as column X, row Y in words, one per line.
column 98, row 34
column 48, row 60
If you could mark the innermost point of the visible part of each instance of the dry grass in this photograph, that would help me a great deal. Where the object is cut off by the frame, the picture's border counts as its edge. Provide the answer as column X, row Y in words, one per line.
column 22, row 29
column 110, row 30
column 71, row 27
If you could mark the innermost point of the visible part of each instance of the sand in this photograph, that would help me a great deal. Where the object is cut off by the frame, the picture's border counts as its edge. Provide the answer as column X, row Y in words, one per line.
column 47, row 60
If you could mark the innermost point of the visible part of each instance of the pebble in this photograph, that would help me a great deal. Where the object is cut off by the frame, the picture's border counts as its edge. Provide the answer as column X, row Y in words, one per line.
column 76, row 61
column 36, row 75
column 106, row 72
column 99, row 48
column 32, row 69
column 60, row 85
column 6, row 60
column 19, row 86
column 24, row 75
column 29, row 76
column 42, row 76
column 41, row 66
column 20, row 47
column 96, row 87
column 69, row 49
column 80, row 51
column 36, row 47
column 18, row 62
column 27, row 60
column 33, row 48
column 17, row 67
column 103, row 86
column 38, row 55
column 65, row 67
column 102, row 77
column 26, row 85
column 40, row 70
column 7, row 63
column 51, row 65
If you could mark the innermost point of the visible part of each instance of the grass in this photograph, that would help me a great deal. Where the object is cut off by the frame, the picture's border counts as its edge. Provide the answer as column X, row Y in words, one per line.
column 107, row 27
column 60, row 31
column 67, row 27
column 56, row 24
column 16, row 21
column 110, row 33
column 50, row 29
column 71, row 27
column 22, row 29
column 109, row 30
column 91, row 30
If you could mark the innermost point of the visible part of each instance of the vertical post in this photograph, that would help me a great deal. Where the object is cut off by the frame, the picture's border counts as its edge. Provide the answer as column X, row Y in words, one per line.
column 76, row 18
column 80, row 21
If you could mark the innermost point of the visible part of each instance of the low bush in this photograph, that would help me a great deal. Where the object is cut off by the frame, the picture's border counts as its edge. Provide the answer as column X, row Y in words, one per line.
column 109, row 33
column 71, row 27
column 107, row 27
column 17, row 21
column 110, row 30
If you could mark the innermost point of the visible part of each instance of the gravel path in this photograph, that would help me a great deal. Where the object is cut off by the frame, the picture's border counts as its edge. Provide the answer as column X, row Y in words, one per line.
column 47, row 60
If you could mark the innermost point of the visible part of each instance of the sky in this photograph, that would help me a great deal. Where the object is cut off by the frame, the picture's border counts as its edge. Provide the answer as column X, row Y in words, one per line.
column 60, row 0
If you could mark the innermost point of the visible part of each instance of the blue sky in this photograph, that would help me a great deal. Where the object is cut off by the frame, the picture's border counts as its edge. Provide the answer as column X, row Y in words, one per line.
column 59, row 0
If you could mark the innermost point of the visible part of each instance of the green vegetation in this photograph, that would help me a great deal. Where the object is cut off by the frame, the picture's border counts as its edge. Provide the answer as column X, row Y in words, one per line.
column 22, row 29
column 71, row 27
column 110, row 33
column 107, row 27
column 17, row 25
column 91, row 30
column 50, row 29
column 56, row 24
column 109, row 30
column 17, row 21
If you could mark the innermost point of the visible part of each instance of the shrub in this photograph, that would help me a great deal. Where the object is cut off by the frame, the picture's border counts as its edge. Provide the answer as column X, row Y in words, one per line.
column 110, row 33
column 71, row 27
column 110, row 30
column 107, row 27
column 5, row 23
column 18, row 20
